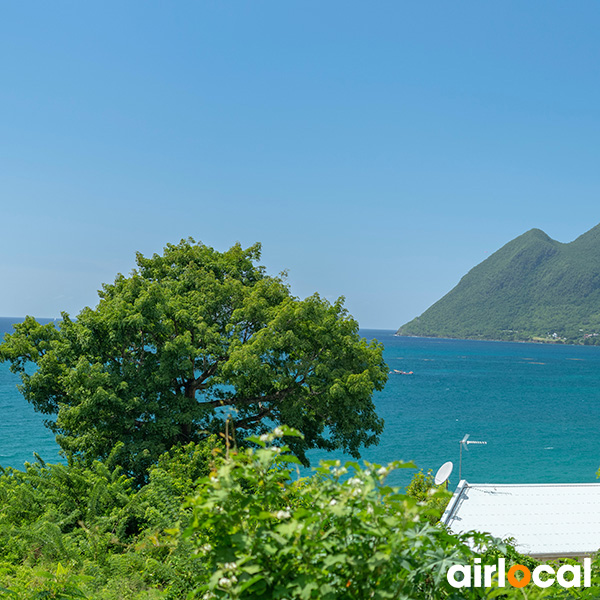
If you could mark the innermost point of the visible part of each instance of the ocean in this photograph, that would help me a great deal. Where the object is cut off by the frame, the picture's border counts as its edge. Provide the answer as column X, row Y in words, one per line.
column 537, row 407
column 22, row 430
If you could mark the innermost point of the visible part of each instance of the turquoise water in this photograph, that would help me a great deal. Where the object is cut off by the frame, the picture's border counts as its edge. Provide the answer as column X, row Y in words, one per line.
column 22, row 430
column 536, row 406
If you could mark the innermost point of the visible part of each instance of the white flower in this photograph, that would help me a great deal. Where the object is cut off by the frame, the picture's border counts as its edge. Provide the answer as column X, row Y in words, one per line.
column 339, row 471
column 283, row 514
column 332, row 502
column 355, row 481
column 206, row 548
column 382, row 471
column 370, row 510
column 231, row 566
column 264, row 437
column 225, row 582
column 278, row 432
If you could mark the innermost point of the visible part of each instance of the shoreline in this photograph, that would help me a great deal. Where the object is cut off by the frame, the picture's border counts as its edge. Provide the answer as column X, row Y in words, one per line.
column 539, row 343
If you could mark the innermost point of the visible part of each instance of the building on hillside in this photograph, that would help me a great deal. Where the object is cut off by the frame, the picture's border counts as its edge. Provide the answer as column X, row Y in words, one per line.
column 553, row 520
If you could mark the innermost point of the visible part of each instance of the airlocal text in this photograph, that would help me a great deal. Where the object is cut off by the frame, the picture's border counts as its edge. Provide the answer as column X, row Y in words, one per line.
column 479, row 575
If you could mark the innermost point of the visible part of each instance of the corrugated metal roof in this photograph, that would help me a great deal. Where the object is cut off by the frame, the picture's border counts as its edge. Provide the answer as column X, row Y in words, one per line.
column 554, row 519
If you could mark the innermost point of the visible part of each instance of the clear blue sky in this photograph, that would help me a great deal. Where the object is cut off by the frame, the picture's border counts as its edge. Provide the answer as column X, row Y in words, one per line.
column 377, row 150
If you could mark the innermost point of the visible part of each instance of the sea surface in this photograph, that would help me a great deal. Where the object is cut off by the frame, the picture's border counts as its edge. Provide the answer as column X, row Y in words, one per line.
column 22, row 430
column 537, row 407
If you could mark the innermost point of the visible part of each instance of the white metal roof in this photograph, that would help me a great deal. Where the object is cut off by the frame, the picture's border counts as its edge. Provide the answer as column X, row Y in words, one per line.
column 553, row 519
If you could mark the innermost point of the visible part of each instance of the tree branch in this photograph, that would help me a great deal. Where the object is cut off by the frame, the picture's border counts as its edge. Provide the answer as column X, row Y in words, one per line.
column 279, row 395
column 245, row 423
column 192, row 386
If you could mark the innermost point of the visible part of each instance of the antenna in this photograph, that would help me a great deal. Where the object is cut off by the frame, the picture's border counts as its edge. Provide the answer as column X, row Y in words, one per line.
column 443, row 473
column 465, row 443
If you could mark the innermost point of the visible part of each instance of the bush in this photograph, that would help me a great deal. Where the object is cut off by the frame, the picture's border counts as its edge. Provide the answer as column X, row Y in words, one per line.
column 433, row 497
column 342, row 534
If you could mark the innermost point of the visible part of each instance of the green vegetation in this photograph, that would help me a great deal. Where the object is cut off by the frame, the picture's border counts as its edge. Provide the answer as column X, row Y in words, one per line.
column 162, row 499
column 340, row 534
column 217, row 522
column 433, row 497
column 532, row 289
column 77, row 530
column 191, row 336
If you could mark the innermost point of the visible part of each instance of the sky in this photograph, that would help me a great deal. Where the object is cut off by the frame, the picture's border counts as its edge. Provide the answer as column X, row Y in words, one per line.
column 378, row 151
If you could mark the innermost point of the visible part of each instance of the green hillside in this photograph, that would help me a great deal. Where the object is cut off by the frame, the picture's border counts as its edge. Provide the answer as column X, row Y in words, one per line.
column 533, row 288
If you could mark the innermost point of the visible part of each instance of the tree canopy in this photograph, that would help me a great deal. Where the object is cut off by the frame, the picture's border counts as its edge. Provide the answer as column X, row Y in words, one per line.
column 189, row 337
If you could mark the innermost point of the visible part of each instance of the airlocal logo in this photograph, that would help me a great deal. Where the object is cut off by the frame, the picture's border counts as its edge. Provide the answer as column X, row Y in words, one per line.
column 473, row 576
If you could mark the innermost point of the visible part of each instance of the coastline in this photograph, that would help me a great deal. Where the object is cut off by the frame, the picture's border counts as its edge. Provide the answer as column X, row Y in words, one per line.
column 473, row 339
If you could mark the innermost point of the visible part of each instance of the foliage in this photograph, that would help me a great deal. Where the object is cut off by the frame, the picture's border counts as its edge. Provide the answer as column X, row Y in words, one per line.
column 433, row 497
column 194, row 334
column 341, row 534
column 534, row 288
column 251, row 530
column 60, row 585
column 86, row 528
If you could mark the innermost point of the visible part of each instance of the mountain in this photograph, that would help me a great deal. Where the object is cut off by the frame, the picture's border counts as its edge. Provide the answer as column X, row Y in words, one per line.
column 534, row 288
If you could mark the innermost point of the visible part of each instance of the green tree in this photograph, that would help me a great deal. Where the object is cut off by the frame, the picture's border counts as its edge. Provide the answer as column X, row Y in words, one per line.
column 191, row 336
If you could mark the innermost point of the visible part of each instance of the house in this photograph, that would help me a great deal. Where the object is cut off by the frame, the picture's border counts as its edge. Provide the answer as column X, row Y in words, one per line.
column 548, row 520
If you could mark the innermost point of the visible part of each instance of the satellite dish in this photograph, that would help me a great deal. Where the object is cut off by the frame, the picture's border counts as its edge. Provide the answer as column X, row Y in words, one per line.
column 443, row 473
